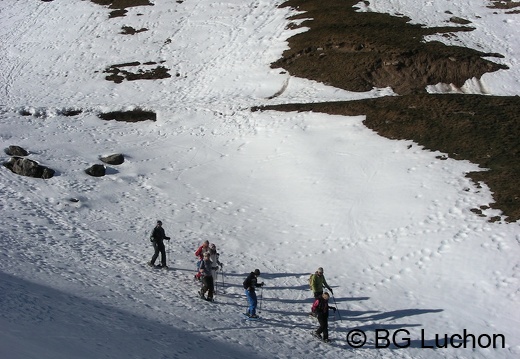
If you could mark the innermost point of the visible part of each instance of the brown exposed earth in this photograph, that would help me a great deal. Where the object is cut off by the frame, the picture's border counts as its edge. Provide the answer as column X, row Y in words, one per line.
column 119, row 7
column 118, row 73
column 359, row 51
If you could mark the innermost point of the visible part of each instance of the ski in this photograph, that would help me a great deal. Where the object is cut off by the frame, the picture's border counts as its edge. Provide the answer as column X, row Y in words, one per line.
column 201, row 296
column 207, row 300
column 319, row 338
column 156, row 266
column 247, row 317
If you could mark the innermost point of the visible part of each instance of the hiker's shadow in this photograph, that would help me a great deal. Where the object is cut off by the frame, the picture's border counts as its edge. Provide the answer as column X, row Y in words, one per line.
column 268, row 276
column 397, row 314
column 394, row 335
column 292, row 287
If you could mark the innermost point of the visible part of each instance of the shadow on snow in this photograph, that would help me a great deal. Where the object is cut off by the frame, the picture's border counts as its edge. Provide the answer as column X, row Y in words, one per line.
column 36, row 319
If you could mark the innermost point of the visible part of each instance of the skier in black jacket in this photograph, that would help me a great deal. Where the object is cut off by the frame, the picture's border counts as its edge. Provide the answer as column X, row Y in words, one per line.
column 207, row 278
column 250, row 283
column 321, row 308
column 157, row 238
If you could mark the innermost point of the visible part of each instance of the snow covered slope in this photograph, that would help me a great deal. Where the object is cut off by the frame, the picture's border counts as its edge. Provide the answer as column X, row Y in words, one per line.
column 283, row 192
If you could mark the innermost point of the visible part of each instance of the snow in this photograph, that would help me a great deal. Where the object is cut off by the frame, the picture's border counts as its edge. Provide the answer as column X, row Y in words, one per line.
column 286, row 193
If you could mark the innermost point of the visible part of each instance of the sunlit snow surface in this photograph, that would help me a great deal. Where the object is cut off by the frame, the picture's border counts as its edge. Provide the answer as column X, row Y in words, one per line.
column 283, row 192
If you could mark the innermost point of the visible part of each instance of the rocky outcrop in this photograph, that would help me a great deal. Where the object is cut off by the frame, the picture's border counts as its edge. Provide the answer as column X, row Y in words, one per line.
column 29, row 168
column 25, row 167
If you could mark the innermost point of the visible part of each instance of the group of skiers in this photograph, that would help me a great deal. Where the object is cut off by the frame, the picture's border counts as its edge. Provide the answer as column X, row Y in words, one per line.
column 208, row 264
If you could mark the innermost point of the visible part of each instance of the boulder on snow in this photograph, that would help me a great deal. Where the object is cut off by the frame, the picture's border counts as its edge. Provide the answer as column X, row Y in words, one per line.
column 136, row 115
column 96, row 170
column 29, row 168
column 16, row 151
column 115, row 159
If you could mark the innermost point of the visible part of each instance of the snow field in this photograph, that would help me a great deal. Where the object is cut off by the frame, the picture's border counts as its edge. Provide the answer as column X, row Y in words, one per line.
column 283, row 192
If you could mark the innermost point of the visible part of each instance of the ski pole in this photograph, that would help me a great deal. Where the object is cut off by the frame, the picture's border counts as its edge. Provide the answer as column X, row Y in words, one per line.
column 216, row 282
column 261, row 299
column 334, row 319
column 222, row 280
column 337, row 309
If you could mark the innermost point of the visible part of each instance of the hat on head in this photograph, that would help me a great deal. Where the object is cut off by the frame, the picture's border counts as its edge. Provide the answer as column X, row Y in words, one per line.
column 257, row 271
column 159, row 222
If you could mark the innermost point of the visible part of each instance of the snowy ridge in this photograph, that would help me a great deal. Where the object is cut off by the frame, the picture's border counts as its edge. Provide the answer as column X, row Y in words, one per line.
column 283, row 192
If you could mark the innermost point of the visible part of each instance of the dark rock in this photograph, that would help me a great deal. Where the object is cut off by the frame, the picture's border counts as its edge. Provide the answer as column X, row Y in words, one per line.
column 136, row 115
column 96, row 170
column 115, row 159
column 29, row 168
column 70, row 111
column 458, row 20
column 16, row 151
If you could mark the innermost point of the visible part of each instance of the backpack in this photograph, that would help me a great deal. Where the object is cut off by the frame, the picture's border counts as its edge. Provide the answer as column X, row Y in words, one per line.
column 311, row 277
column 315, row 306
column 247, row 283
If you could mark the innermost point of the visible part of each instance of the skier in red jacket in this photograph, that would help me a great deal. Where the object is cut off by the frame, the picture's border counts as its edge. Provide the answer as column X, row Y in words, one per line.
column 199, row 253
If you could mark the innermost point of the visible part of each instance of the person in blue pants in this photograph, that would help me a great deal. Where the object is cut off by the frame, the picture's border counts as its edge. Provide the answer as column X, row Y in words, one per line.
column 250, row 284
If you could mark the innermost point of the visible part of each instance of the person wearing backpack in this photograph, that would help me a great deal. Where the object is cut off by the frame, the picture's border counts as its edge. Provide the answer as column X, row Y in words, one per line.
column 157, row 238
column 321, row 308
column 207, row 278
column 214, row 256
column 199, row 253
column 317, row 282
column 250, row 284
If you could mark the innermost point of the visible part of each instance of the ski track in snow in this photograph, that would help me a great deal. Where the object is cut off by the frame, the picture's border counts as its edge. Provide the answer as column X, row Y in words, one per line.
column 250, row 182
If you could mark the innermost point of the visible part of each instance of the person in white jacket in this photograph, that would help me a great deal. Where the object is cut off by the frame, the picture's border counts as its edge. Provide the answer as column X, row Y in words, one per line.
column 214, row 256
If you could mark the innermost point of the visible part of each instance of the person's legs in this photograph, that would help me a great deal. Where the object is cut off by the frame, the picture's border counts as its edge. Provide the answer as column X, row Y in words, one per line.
column 322, row 319
column 162, row 249
column 210, row 288
column 156, row 253
column 254, row 302
column 326, row 327
column 251, row 299
column 205, row 284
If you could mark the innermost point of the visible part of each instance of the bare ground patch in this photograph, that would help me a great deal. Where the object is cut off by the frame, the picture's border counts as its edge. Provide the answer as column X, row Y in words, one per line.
column 136, row 115
column 359, row 51
column 120, row 72
column 119, row 6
